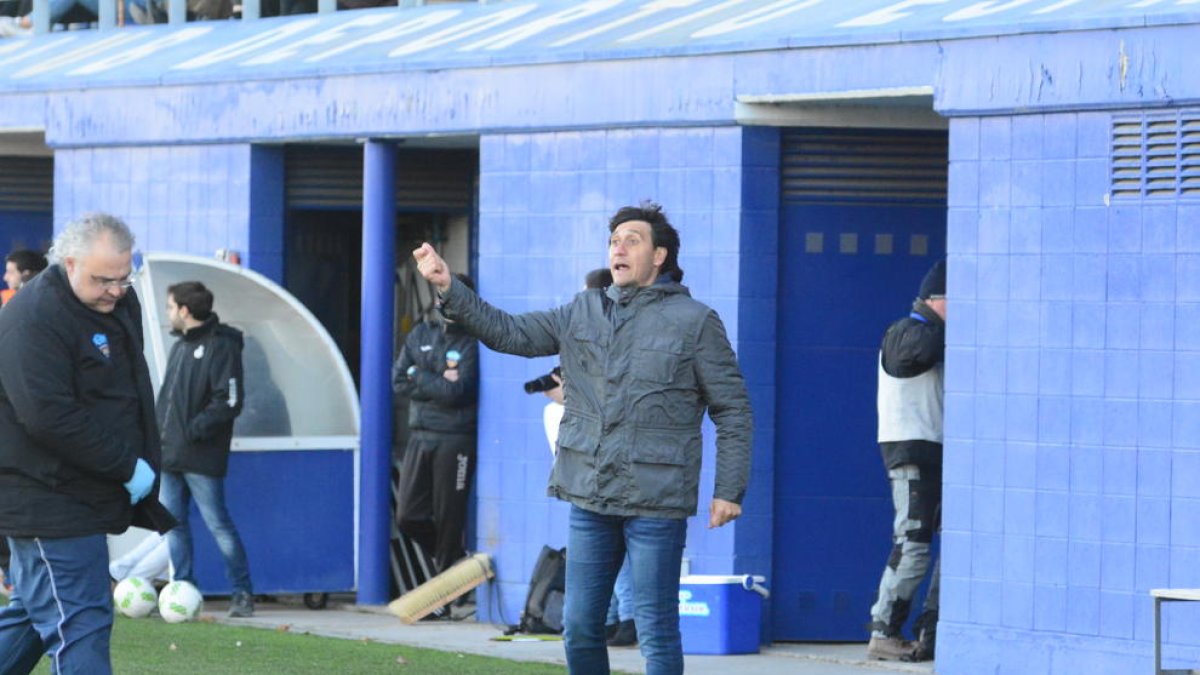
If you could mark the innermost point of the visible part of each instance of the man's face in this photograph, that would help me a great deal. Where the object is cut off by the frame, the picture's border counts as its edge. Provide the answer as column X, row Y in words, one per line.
column 938, row 304
column 100, row 277
column 12, row 275
column 174, row 315
column 632, row 257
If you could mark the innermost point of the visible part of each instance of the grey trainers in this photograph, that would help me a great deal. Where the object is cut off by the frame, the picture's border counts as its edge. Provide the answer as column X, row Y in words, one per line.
column 241, row 605
column 889, row 648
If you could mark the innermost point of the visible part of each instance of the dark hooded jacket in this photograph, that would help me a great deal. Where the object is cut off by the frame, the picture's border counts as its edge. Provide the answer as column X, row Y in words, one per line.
column 76, row 413
column 435, row 403
column 640, row 368
column 201, row 396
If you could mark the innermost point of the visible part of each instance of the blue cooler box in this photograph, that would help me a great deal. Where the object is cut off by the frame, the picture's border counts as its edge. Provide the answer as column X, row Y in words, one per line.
column 721, row 614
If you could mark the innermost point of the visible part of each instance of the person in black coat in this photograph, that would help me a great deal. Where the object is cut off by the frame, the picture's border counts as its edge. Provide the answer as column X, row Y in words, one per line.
column 201, row 396
column 79, row 447
column 438, row 372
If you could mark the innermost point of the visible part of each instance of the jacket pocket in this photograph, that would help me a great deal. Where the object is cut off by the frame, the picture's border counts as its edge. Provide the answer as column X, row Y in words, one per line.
column 657, row 359
column 665, row 466
column 575, row 464
column 588, row 352
column 579, row 434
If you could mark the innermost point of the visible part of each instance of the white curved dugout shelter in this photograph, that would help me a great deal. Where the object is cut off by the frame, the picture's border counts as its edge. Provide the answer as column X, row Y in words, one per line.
column 293, row 475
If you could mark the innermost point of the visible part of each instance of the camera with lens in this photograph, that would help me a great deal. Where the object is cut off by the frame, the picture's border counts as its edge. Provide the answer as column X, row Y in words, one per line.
column 543, row 383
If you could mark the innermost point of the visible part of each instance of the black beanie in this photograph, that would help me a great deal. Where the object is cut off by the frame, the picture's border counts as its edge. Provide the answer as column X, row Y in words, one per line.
column 934, row 282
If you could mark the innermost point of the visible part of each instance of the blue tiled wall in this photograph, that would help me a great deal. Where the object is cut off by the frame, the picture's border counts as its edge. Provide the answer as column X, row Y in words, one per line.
column 1071, row 389
column 544, row 205
column 192, row 199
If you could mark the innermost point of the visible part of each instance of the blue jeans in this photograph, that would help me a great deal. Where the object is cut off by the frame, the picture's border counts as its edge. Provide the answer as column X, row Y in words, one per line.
column 621, row 608
column 596, row 547
column 209, row 493
column 61, row 606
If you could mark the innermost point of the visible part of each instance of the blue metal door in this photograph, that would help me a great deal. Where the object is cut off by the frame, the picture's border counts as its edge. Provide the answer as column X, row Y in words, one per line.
column 863, row 217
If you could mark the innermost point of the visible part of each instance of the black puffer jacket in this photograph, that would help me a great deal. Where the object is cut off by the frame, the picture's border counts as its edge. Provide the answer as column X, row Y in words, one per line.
column 911, row 346
column 435, row 403
column 202, row 394
column 76, row 413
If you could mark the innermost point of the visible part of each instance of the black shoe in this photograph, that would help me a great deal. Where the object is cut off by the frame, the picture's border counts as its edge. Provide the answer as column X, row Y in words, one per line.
column 626, row 635
column 241, row 605
column 611, row 629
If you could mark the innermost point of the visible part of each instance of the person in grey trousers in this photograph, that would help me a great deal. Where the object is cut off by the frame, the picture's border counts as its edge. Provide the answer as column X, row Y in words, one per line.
column 910, row 404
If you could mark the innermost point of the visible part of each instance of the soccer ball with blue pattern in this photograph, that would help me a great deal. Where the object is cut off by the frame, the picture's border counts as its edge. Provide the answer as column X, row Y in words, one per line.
column 179, row 601
column 134, row 597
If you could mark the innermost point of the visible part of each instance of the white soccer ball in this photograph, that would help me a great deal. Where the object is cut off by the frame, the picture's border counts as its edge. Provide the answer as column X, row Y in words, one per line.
column 179, row 601
column 134, row 597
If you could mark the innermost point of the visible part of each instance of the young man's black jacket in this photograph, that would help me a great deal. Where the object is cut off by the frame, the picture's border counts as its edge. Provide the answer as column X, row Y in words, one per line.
column 76, row 413
column 202, row 394
column 435, row 403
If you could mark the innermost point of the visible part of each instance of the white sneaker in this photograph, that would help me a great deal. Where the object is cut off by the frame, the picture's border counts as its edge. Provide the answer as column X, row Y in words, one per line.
column 11, row 27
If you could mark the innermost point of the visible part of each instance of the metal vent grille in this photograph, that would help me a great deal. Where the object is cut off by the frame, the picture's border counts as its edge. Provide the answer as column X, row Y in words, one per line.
column 1155, row 156
column 332, row 177
column 844, row 166
column 27, row 184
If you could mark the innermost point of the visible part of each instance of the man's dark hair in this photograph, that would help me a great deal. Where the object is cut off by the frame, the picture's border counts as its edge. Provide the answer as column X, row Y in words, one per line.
column 661, row 233
column 598, row 278
column 193, row 295
column 27, row 261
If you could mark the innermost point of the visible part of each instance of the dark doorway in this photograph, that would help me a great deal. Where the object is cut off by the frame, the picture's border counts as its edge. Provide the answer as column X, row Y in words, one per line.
column 863, row 217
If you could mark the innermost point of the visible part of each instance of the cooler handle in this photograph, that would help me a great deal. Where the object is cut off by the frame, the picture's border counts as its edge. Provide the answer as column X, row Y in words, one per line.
column 753, row 582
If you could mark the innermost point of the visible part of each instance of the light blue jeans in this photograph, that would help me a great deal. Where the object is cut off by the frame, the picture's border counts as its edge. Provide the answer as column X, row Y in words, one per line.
column 209, row 493
column 596, row 548
column 61, row 606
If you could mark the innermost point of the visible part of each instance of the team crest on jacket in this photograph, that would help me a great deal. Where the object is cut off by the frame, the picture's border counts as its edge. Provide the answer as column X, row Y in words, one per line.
column 101, row 342
column 199, row 353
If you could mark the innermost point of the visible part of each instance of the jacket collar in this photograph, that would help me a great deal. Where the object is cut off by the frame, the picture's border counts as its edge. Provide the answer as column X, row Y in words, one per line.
column 662, row 287
column 929, row 316
column 203, row 330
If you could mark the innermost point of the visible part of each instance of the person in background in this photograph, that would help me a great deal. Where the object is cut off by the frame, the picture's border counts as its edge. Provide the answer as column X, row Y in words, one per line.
column 438, row 371
column 79, row 448
column 201, row 396
column 19, row 267
column 910, row 404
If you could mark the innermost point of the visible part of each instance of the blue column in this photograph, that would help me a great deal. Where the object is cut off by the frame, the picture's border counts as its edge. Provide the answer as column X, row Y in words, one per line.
column 378, row 324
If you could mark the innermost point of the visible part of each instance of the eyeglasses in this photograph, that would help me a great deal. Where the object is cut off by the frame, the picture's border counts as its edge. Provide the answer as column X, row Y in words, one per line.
column 112, row 284
column 937, row 297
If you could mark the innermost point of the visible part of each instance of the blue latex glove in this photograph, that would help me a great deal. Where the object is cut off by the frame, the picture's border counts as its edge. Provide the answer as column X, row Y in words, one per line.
column 143, row 479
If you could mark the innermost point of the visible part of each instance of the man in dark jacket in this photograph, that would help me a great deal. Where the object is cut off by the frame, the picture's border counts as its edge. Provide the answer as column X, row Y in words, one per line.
column 201, row 395
column 438, row 371
column 641, row 363
column 910, row 407
column 78, row 446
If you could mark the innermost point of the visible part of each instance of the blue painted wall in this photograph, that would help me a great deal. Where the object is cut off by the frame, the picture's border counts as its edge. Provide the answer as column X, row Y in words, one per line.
column 182, row 198
column 1071, row 427
column 544, row 205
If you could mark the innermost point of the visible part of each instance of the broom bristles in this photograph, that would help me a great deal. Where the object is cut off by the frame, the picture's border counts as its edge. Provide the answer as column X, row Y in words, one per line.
column 446, row 587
